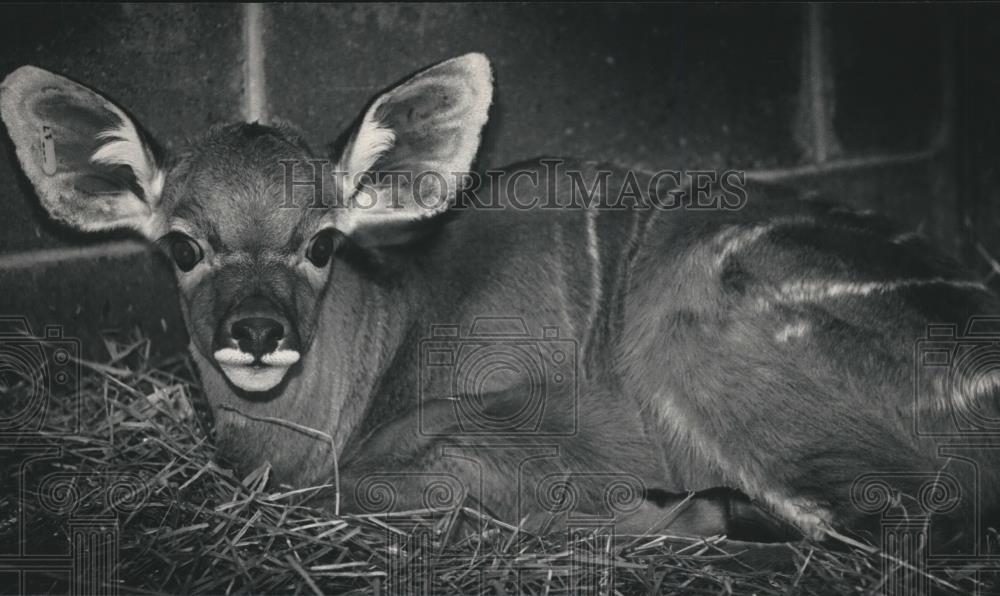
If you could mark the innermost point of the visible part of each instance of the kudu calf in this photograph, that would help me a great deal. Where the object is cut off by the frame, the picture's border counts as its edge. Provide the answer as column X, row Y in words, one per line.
column 533, row 343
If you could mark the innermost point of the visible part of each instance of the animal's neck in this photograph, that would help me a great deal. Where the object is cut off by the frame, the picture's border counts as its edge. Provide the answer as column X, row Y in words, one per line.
column 301, row 428
column 351, row 351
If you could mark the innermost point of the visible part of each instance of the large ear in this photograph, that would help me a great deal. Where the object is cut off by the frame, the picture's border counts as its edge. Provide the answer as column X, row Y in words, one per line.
column 89, row 162
column 414, row 144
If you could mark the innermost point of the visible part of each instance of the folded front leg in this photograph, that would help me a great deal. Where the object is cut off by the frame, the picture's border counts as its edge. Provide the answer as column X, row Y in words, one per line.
column 587, row 472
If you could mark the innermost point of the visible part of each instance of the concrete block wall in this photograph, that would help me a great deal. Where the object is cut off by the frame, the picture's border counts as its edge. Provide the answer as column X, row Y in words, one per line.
column 176, row 69
column 857, row 102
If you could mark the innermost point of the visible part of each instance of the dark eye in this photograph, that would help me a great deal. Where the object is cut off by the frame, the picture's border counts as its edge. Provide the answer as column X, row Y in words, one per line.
column 184, row 250
column 321, row 248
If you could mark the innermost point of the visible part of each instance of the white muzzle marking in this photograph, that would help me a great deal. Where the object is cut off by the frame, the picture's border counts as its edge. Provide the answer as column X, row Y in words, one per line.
column 238, row 367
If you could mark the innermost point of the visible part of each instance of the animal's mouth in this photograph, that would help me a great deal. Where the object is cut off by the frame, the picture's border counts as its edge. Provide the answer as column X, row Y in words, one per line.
column 253, row 372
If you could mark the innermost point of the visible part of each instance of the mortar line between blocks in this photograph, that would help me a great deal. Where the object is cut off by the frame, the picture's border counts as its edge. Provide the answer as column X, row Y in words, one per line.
column 29, row 259
column 254, row 81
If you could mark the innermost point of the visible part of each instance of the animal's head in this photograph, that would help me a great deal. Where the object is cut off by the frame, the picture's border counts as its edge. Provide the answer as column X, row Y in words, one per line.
column 252, row 262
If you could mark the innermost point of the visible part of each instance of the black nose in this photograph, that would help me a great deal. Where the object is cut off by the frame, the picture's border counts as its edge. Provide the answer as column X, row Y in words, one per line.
column 257, row 335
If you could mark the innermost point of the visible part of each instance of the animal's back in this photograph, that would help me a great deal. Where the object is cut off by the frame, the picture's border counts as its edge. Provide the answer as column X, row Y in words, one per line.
column 778, row 349
column 772, row 347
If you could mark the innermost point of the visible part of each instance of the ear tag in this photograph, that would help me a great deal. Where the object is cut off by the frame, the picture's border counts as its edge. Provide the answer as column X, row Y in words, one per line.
column 49, row 165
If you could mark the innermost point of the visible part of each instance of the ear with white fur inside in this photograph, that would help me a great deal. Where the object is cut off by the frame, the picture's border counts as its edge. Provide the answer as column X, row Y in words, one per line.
column 406, row 160
column 88, row 161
